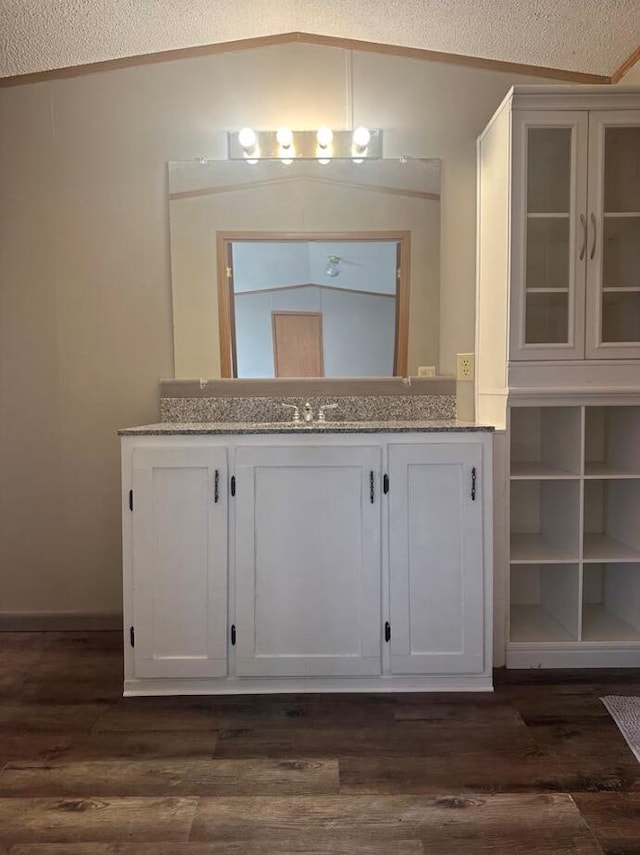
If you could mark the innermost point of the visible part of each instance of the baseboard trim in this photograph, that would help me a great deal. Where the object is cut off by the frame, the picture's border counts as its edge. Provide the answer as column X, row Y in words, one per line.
column 60, row 621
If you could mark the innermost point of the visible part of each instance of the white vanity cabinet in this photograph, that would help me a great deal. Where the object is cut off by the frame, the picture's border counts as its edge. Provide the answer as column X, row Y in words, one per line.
column 307, row 561
column 310, row 561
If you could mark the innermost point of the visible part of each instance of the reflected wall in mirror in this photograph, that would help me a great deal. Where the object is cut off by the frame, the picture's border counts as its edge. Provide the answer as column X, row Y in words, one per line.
column 307, row 212
column 313, row 305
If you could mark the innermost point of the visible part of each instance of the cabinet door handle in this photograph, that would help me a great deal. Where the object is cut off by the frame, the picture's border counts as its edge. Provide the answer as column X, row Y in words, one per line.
column 583, row 221
column 372, row 487
column 216, row 487
column 594, row 223
column 473, row 484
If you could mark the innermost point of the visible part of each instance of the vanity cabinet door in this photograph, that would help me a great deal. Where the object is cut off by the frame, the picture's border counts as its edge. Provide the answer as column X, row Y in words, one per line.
column 436, row 558
column 307, row 575
column 180, row 561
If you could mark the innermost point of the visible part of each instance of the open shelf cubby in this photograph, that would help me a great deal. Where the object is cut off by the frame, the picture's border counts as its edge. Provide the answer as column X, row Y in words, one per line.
column 545, row 442
column 545, row 521
column 575, row 528
column 611, row 520
column 612, row 442
column 545, row 603
column 610, row 600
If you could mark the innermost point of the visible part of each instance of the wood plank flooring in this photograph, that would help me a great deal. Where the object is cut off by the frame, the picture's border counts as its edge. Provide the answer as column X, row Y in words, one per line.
column 536, row 768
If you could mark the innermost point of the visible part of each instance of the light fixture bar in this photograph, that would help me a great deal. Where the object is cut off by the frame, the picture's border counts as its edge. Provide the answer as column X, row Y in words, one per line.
column 248, row 144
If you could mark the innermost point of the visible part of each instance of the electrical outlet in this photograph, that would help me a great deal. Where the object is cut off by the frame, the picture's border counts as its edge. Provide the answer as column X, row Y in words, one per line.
column 465, row 367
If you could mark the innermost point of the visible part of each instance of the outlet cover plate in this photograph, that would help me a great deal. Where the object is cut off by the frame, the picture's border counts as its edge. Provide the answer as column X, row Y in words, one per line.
column 465, row 367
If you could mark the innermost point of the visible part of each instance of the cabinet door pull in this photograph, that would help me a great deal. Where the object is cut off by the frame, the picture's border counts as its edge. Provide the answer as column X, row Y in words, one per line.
column 372, row 487
column 130, row 500
column 233, row 635
column 387, row 631
column 385, row 484
column 216, row 486
column 594, row 223
column 583, row 221
column 233, row 485
column 132, row 636
column 473, row 484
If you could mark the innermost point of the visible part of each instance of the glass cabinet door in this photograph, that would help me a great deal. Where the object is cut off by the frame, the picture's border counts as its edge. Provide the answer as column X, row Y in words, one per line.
column 550, row 237
column 613, row 272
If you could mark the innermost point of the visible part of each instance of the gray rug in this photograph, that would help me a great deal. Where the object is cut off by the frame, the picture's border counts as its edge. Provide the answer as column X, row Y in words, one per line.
column 626, row 714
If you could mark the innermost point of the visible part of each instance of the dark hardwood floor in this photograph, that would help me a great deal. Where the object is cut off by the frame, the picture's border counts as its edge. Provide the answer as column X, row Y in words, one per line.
column 537, row 767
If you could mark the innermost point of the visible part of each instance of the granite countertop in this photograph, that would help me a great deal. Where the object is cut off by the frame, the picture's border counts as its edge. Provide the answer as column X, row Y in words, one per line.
column 239, row 428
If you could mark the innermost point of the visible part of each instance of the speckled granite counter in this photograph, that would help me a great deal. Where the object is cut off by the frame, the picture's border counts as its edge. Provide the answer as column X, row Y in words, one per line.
column 235, row 428
column 356, row 408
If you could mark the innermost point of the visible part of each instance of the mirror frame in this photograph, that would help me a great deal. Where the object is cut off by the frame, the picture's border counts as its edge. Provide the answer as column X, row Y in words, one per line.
column 226, row 305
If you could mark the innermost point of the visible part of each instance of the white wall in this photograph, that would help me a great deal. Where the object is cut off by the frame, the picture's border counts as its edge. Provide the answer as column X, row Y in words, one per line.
column 269, row 265
column 359, row 334
column 364, row 265
column 358, row 330
column 86, row 328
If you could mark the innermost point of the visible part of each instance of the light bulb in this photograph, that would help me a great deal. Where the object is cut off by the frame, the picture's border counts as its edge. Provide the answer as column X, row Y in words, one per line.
column 284, row 137
column 324, row 137
column 332, row 269
column 361, row 138
column 247, row 139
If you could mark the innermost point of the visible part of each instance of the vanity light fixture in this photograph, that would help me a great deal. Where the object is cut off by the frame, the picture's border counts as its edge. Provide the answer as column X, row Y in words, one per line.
column 323, row 144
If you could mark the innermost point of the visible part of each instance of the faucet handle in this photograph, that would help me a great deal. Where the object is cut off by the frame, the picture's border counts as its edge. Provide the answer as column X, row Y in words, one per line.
column 296, row 411
column 321, row 416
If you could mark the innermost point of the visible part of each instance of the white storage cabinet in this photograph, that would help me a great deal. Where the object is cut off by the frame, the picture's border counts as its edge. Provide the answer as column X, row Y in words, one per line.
column 558, row 368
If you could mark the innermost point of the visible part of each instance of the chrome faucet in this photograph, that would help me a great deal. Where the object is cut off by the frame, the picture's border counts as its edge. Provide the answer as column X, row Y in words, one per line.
column 296, row 412
column 321, row 416
column 305, row 414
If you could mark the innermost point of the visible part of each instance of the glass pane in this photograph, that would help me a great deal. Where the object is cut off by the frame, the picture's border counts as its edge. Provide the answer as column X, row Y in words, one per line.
column 549, row 170
column 621, row 316
column 622, row 169
column 548, row 253
column 621, row 251
column 547, row 318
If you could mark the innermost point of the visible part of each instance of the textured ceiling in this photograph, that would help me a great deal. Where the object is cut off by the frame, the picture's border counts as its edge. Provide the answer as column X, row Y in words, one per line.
column 593, row 36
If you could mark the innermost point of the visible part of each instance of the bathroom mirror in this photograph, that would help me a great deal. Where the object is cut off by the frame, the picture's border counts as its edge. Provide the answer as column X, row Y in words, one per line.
column 304, row 269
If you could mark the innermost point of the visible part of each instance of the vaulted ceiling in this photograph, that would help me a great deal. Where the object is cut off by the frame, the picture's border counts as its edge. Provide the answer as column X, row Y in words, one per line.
column 593, row 36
